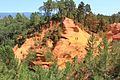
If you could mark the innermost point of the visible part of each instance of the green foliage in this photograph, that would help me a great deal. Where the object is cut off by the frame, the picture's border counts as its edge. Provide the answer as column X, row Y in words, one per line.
column 7, row 56
column 47, row 8
column 64, row 8
column 49, row 56
column 34, row 19
column 67, row 8
column 115, row 18
column 91, row 44
column 54, row 35
column 100, row 67
column 20, row 25
column 80, row 12
column 70, row 7
column 103, row 21
column 8, row 63
column 12, row 70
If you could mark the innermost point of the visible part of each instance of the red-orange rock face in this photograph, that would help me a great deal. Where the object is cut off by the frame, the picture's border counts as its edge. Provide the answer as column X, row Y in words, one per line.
column 71, row 44
column 114, row 32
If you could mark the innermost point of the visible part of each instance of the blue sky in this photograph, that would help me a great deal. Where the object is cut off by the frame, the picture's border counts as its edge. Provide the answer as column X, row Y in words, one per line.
column 106, row 7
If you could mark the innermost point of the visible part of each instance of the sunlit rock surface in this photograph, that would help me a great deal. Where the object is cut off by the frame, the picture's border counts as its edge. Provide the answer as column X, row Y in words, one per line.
column 114, row 32
column 72, row 44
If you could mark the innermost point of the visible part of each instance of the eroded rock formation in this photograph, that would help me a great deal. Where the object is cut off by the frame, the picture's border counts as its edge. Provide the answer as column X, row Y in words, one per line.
column 114, row 32
column 71, row 44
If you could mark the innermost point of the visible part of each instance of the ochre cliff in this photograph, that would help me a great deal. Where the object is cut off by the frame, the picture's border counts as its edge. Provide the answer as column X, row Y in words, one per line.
column 114, row 32
column 71, row 44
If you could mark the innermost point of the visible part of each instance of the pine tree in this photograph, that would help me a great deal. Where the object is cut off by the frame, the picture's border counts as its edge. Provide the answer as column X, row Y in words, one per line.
column 81, row 12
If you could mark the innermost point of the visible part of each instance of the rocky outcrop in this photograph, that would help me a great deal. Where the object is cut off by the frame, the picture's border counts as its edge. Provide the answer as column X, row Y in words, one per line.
column 114, row 32
column 71, row 44
column 22, row 52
